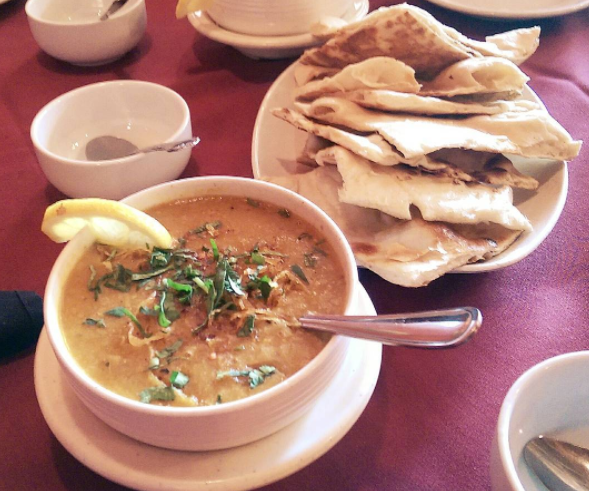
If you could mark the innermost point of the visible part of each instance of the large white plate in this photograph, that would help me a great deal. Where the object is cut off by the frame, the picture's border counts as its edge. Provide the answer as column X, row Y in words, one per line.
column 143, row 467
column 276, row 145
column 518, row 9
column 267, row 46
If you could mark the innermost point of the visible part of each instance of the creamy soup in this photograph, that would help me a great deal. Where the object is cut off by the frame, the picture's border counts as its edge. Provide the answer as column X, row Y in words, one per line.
column 212, row 320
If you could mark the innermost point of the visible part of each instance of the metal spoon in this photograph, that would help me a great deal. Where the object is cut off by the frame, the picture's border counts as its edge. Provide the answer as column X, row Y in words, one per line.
column 434, row 329
column 116, row 5
column 561, row 466
column 110, row 147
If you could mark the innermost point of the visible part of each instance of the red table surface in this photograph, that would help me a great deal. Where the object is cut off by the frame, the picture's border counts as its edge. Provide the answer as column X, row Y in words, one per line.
column 430, row 422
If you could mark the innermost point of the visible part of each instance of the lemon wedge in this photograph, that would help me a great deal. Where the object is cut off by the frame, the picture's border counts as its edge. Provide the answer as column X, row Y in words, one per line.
column 185, row 7
column 112, row 223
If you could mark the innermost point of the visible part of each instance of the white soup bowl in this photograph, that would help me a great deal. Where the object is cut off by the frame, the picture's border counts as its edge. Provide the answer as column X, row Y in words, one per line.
column 224, row 425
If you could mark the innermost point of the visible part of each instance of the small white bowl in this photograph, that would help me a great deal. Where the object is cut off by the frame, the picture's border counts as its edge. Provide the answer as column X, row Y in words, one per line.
column 551, row 399
column 71, row 30
column 274, row 17
column 224, row 425
column 143, row 113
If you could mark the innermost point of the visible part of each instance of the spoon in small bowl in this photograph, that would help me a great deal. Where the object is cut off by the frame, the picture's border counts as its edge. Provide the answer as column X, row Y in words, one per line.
column 111, row 147
column 431, row 329
column 561, row 466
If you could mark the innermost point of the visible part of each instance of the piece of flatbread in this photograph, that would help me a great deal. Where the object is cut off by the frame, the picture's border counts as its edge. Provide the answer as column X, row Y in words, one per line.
column 532, row 133
column 457, row 164
column 402, row 32
column 375, row 73
column 396, row 190
column 391, row 101
column 477, row 76
column 408, row 253
column 412, row 35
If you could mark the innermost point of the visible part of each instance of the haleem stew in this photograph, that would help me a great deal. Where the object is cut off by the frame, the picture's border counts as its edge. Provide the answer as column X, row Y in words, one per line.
column 214, row 318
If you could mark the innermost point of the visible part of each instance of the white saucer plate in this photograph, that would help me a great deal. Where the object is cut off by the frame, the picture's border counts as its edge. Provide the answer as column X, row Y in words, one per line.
column 267, row 47
column 277, row 144
column 509, row 9
column 146, row 468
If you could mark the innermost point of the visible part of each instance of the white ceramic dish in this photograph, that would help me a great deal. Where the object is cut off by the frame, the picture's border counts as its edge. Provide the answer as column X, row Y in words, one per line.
column 276, row 145
column 142, row 112
column 71, row 30
column 267, row 47
column 273, row 17
column 508, row 9
column 217, row 426
column 551, row 399
column 143, row 467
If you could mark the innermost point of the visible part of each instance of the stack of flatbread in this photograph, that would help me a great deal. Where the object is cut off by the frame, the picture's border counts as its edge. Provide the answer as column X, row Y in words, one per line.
column 409, row 123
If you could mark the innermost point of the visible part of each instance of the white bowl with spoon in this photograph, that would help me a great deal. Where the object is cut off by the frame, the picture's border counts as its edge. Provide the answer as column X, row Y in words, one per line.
column 140, row 113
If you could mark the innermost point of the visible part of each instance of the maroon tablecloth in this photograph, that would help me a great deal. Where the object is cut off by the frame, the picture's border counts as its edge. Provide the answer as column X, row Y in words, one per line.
column 430, row 422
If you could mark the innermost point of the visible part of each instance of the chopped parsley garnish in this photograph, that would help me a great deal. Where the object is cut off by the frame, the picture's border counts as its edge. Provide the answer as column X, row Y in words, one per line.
column 95, row 322
column 284, row 213
column 122, row 312
column 256, row 376
column 252, row 202
column 178, row 379
column 215, row 249
column 257, row 258
column 157, row 394
column 248, row 327
column 207, row 226
column 296, row 269
column 169, row 351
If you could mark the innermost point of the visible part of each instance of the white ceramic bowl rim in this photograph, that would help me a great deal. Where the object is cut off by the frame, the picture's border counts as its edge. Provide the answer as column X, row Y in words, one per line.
column 177, row 98
column 352, row 280
column 128, row 8
column 508, row 405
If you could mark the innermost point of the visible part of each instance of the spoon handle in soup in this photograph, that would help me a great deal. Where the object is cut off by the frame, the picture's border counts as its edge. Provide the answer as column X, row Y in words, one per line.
column 434, row 329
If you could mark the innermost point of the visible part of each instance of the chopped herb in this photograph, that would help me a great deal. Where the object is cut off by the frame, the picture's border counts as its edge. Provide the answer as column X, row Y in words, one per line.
column 310, row 260
column 178, row 379
column 284, row 213
column 95, row 322
column 264, row 284
column 121, row 312
column 185, row 291
column 157, row 394
column 169, row 351
column 203, row 285
column 161, row 309
column 248, row 327
column 296, row 269
column 147, row 311
column 320, row 251
column 160, row 258
column 256, row 376
column 210, row 226
column 254, row 203
column 215, row 249
column 257, row 258
column 219, row 399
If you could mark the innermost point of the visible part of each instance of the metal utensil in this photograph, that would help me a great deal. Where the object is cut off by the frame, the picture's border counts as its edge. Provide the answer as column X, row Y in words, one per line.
column 561, row 466
column 110, row 147
column 434, row 329
column 116, row 5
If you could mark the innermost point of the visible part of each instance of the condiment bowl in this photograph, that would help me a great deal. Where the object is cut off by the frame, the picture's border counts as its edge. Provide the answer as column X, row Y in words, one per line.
column 143, row 113
column 274, row 17
column 223, row 425
column 72, row 31
column 549, row 399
